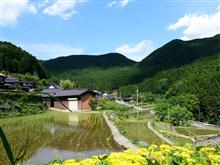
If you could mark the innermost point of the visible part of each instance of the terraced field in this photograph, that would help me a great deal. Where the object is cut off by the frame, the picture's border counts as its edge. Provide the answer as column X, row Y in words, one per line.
column 56, row 135
column 139, row 130
column 196, row 131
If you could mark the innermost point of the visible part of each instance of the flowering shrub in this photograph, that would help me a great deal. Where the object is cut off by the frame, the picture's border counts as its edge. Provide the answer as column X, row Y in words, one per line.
column 163, row 154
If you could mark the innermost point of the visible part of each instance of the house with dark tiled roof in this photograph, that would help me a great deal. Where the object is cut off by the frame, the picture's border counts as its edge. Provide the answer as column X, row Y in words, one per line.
column 11, row 82
column 72, row 99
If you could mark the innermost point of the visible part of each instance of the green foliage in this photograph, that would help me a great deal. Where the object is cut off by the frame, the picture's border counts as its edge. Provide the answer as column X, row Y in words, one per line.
column 172, row 113
column 15, row 60
column 119, row 110
column 146, row 97
column 77, row 62
column 110, row 105
column 67, row 84
column 189, row 101
column 18, row 104
column 93, row 103
column 177, row 53
column 98, row 78
column 177, row 116
column 161, row 110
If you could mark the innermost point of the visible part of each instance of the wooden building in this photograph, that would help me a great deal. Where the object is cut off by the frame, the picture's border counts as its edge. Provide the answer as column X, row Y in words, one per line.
column 73, row 99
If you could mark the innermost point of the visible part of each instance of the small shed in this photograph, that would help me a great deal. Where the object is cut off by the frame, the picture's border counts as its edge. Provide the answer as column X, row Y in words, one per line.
column 74, row 99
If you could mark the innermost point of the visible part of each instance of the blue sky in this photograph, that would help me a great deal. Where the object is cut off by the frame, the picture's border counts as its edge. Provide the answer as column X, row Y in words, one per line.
column 52, row 28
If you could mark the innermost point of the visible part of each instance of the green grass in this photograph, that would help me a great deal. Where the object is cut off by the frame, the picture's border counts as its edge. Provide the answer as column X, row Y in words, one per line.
column 180, row 140
column 140, row 131
column 195, row 131
column 143, row 116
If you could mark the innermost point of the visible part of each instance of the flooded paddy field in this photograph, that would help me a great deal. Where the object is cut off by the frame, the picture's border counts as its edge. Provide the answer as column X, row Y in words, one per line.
column 57, row 135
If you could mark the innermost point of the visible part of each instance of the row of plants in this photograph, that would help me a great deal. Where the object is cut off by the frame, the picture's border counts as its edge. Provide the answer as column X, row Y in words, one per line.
column 154, row 155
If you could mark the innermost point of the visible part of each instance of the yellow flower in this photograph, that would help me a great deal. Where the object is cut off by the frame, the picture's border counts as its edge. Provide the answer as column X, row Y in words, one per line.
column 70, row 162
column 56, row 164
column 207, row 150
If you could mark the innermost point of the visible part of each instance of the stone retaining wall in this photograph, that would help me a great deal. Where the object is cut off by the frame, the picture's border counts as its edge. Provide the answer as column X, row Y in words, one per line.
column 117, row 136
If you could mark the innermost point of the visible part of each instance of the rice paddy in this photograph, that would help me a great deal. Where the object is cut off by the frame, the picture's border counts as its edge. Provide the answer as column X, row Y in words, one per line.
column 140, row 131
column 196, row 131
column 58, row 136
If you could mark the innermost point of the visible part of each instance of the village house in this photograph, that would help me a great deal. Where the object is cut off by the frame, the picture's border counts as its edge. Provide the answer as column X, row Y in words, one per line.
column 2, row 78
column 12, row 83
column 72, row 99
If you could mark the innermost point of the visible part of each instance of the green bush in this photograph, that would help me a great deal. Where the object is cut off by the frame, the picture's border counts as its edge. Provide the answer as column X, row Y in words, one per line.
column 18, row 104
column 173, row 114
column 93, row 104
column 189, row 101
column 161, row 110
column 177, row 116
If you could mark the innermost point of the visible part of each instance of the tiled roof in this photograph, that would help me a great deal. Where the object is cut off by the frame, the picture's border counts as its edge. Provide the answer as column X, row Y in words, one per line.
column 11, row 80
column 64, row 93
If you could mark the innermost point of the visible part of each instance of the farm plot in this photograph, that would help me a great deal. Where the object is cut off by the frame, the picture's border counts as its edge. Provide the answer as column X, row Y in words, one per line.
column 139, row 131
column 195, row 131
column 59, row 135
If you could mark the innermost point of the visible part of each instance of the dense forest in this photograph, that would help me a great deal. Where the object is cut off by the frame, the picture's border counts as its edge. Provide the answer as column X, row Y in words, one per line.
column 15, row 60
column 76, row 62
column 101, row 73
column 177, row 53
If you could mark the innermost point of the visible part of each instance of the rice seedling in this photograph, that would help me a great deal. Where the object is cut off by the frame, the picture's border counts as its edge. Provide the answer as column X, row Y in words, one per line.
column 78, row 132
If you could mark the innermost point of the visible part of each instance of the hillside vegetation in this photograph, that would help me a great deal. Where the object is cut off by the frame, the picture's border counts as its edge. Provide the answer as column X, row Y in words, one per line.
column 177, row 53
column 110, row 71
column 200, row 78
column 15, row 60
column 76, row 62
column 103, row 72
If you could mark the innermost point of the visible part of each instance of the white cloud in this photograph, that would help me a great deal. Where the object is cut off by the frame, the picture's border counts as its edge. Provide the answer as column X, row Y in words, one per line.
column 120, row 4
column 48, row 51
column 11, row 10
column 136, row 52
column 64, row 9
column 198, row 25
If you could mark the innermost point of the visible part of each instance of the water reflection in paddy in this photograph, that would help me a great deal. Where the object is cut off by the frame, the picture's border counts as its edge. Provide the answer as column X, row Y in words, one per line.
column 63, row 135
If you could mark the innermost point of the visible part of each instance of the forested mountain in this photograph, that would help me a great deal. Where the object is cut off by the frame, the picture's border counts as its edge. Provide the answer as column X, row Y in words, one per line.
column 74, row 62
column 15, row 60
column 177, row 53
column 106, row 72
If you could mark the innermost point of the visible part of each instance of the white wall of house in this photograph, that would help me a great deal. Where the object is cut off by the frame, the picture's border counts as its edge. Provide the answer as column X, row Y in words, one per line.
column 73, row 104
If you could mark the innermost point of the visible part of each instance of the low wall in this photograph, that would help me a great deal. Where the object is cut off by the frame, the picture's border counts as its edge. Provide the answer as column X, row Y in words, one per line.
column 118, row 137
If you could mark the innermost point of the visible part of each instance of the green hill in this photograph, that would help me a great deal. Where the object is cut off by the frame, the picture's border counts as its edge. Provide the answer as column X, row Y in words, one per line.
column 177, row 53
column 15, row 60
column 74, row 62
column 110, row 71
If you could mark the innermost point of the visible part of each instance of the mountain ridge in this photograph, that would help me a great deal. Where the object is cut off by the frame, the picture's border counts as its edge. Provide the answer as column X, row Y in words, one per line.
column 71, row 62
